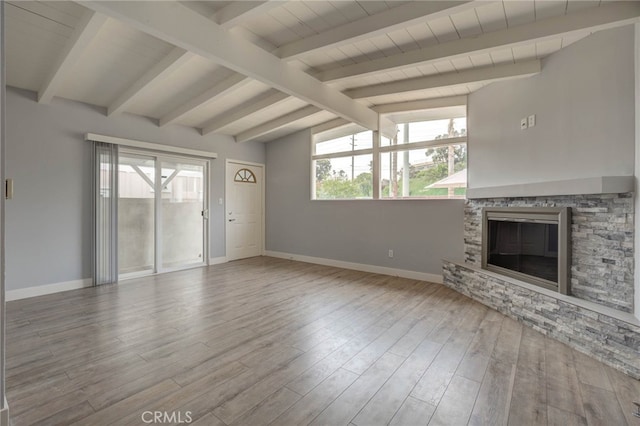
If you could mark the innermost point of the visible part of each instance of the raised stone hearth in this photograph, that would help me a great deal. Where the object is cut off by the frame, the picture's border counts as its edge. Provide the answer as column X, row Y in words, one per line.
column 596, row 317
column 612, row 339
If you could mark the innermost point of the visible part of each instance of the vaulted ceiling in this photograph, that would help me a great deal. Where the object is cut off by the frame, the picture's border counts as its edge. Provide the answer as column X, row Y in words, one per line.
column 258, row 70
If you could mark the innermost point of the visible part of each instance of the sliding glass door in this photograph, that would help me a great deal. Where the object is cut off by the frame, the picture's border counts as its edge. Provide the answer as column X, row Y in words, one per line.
column 161, row 213
column 136, row 214
column 182, row 213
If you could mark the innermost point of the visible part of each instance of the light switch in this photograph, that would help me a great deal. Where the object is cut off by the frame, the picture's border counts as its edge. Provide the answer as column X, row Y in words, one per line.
column 523, row 124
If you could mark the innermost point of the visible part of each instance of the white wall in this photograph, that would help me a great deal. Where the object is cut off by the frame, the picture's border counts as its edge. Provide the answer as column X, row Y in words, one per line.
column 584, row 105
column 49, row 224
column 421, row 232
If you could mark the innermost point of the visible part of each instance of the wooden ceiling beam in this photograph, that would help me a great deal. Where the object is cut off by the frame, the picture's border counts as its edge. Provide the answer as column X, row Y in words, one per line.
column 277, row 123
column 229, row 16
column 85, row 31
column 238, row 12
column 422, row 104
column 252, row 106
column 224, row 87
column 380, row 23
column 176, row 24
column 473, row 75
column 609, row 15
column 150, row 79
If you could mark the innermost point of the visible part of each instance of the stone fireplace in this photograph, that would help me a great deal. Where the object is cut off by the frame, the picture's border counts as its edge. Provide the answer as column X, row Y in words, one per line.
column 595, row 317
column 601, row 242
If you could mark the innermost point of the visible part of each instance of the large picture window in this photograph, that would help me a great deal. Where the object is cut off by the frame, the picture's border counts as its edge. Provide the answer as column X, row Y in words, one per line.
column 343, row 167
column 424, row 159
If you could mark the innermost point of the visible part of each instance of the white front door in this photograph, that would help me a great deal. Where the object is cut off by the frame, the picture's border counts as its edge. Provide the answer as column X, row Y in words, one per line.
column 244, row 215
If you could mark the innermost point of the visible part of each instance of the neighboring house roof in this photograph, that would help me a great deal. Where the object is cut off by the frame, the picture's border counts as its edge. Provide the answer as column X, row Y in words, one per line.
column 456, row 180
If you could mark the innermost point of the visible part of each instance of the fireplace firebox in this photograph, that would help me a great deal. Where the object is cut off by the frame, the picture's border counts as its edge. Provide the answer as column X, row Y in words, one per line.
column 531, row 244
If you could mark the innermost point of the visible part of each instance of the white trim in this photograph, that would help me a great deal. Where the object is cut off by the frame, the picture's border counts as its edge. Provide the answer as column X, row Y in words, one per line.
column 148, row 145
column 40, row 290
column 343, row 154
column 460, row 140
column 249, row 163
column 217, row 260
column 4, row 414
column 394, row 272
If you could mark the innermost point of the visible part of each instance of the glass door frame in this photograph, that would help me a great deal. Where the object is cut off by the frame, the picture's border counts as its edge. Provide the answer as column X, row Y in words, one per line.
column 159, row 158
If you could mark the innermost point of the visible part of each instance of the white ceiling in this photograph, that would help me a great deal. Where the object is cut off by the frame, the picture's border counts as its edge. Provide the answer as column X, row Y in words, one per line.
column 101, row 54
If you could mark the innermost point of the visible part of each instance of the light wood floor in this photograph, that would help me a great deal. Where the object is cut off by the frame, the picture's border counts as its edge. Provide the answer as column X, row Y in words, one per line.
column 268, row 341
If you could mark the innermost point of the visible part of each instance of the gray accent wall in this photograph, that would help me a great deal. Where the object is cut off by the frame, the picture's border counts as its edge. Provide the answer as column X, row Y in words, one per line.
column 420, row 232
column 48, row 223
column 584, row 105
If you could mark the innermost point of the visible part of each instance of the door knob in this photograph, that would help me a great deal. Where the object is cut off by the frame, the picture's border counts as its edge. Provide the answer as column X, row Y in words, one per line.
column 232, row 220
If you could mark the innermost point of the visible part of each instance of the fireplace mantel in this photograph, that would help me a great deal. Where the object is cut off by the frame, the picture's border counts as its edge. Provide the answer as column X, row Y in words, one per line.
column 581, row 186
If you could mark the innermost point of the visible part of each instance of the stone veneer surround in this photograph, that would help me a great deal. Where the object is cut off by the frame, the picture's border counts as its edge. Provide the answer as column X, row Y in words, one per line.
column 596, row 319
column 602, row 231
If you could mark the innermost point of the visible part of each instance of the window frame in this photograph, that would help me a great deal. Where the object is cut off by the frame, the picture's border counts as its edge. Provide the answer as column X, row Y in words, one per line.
column 376, row 151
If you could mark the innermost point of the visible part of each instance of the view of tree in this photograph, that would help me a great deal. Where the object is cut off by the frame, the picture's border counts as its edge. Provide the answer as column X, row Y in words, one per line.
column 339, row 186
column 438, row 164
column 441, row 162
column 323, row 170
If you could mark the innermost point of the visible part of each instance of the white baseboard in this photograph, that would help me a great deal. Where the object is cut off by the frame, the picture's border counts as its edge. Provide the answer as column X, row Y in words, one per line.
column 24, row 293
column 403, row 273
column 4, row 414
column 218, row 260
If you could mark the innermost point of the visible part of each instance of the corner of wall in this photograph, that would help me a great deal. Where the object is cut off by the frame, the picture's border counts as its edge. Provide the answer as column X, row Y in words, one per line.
column 4, row 414
column 637, row 171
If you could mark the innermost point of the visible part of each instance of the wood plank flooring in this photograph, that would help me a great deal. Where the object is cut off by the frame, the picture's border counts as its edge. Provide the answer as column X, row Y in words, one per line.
column 267, row 341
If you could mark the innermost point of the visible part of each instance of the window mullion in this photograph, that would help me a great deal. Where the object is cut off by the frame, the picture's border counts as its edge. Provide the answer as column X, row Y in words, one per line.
column 375, row 175
column 436, row 143
column 342, row 154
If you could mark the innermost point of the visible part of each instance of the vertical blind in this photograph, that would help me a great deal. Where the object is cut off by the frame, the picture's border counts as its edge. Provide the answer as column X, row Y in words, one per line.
column 105, row 206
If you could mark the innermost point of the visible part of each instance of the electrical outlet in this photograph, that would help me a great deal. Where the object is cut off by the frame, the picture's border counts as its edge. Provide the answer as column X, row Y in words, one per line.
column 523, row 124
column 532, row 120
column 390, row 253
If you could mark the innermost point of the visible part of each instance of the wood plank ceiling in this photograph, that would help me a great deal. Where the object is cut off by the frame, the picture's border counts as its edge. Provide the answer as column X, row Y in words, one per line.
column 279, row 66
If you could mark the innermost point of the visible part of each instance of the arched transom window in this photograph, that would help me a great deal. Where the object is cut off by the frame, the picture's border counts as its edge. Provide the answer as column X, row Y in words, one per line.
column 245, row 175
